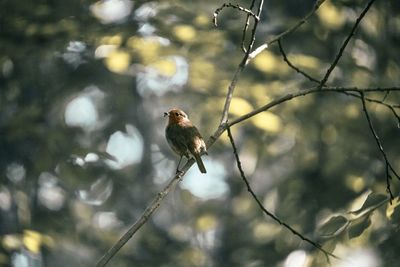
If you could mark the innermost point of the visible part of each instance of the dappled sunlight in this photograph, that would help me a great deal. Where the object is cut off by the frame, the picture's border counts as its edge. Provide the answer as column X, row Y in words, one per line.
column 166, row 74
column 74, row 53
column 106, row 220
column 209, row 185
column 331, row 16
column 126, row 148
column 358, row 257
column 15, row 172
column 98, row 192
column 270, row 63
column 297, row 258
column 184, row 33
column 364, row 55
column 240, row 106
column 162, row 166
column 50, row 194
column 82, row 111
column 267, row 121
column 118, row 61
column 111, row 11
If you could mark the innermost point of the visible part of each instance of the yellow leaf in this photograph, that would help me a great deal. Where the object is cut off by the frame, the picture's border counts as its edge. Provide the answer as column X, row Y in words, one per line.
column 304, row 61
column 331, row 16
column 118, row 61
column 202, row 20
column 165, row 67
column 267, row 121
column 184, row 33
column 202, row 74
column 240, row 106
column 206, row 222
column 269, row 63
column 112, row 40
column 147, row 48
column 32, row 241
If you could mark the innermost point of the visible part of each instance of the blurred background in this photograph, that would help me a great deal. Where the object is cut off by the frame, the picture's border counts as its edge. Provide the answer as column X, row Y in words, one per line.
column 83, row 87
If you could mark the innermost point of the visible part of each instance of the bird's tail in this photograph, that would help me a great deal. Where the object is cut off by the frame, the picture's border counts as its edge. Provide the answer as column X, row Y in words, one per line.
column 200, row 163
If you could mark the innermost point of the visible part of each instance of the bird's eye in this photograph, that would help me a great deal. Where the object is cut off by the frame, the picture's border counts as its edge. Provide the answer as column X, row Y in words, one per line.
column 176, row 114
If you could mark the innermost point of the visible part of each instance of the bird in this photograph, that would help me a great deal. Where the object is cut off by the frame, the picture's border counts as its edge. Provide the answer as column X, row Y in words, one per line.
column 184, row 138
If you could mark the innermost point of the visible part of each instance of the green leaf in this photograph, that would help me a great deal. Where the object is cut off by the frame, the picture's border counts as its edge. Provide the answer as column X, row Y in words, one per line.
column 373, row 201
column 358, row 226
column 334, row 226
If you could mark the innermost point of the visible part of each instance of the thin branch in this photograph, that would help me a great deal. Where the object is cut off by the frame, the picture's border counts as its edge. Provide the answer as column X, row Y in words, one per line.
column 143, row 218
column 300, row 93
column 346, row 41
column 380, row 102
column 274, row 39
column 389, row 167
column 246, row 26
column 268, row 213
column 151, row 208
column 237, row 6
column 293, row 66
column 240, row 67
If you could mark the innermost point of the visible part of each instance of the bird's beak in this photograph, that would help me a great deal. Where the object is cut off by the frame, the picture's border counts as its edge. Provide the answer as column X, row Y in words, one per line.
column 166, row 114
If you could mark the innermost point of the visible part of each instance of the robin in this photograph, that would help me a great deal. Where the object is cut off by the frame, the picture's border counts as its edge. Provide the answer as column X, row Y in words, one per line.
column 184, row 138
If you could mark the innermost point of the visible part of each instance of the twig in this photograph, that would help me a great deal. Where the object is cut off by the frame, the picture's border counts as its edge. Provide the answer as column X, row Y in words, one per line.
column 268, row 213
column 143, row 218
column 389, row 167
column 346, row 41
column 237, row 6
column 312, row 90
column 211, row 140
column 246, row 26
column 240, row 67
column 293, row 66
column 380, row 102
column 274, row 39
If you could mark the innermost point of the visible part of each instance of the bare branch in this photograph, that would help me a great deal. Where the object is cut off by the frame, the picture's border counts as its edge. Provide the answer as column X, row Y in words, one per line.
column 389, row 167
column 223, row 126
column 144, row 217
column 246, row 26
column 346, row 41
column 300, row 93
column 237, row 6
column 240, row 67
column 268, row 213
column 274, row 39
column 293, row 66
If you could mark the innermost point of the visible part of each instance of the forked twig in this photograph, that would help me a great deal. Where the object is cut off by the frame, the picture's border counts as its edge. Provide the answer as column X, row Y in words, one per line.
column 389, row 168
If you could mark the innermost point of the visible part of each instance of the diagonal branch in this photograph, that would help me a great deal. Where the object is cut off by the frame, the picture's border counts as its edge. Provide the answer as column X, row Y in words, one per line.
column 293, row 66
column 151, row 208
column 268, row 213
column 274, row 39
column 241, row 66
column 346, row 41
column 389, row 167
